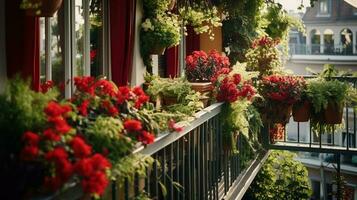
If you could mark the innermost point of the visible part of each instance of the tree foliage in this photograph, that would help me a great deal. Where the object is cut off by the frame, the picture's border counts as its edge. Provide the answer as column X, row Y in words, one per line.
column 281, row 178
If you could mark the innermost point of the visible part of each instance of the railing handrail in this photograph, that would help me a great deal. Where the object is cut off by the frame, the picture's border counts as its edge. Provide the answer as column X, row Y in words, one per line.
column 167, row 138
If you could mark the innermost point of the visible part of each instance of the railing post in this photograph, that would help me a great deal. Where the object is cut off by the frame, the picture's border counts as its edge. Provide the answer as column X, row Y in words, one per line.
column 265, row 136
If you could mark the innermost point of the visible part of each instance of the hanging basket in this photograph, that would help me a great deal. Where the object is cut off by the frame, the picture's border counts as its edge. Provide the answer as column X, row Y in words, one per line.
column 301, row 112
column 277, row 113
column 47, row 8
column 333, row 113
column 172, row 5
column 157, row 50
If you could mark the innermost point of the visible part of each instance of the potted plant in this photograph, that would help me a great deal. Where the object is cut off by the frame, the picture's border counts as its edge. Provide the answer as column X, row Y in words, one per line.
column 200, row 68
column 41, row 8
column 328, row 97
column 202, row 18
column 280, row 93
column 154, row 7
column 159, row 33
column 301, row 108
column 264, row 56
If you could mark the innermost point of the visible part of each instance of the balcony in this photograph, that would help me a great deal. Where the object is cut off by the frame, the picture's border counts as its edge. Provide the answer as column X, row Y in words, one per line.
column 320, row 54
column 192, row 164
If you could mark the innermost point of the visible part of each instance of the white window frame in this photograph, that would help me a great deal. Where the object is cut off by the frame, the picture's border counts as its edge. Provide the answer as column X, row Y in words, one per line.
column 328, row 13
column 70, row 44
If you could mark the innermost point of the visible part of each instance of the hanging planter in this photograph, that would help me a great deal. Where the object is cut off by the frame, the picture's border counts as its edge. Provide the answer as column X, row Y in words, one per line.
column 301, row 112
column 41, row 8
column 333, row 113
column 157, row 50
column 279, row 113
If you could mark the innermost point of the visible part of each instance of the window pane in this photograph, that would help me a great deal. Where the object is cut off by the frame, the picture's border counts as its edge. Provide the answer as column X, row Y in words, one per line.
column 57, row 48
column 79, row 31
column 42, row 50
column 96, row 37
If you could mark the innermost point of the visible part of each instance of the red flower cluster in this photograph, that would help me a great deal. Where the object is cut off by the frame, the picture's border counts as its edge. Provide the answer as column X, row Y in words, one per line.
column 282, row 89
column 201, row 67
column 46, row 86
column 110, row 98
column 135, row 127
column 93, row 54
column 173, row 126
column 231, row 89
column 66, row 157
column 265, row 41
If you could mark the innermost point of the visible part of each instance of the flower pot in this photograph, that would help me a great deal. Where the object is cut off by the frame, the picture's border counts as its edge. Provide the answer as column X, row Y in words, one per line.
column 168, row 101
column 47, row 8
column 278, row 113
column 158, row 50
column 172, row 5
column 202, row 87
column 333, row 113
column 301, row 112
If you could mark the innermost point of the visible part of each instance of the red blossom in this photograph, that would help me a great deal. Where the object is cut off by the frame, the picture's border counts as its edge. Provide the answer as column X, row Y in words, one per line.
column 60, row 124
column 112, row 111
column 104, row 87
column 84, row 167
column 59, row 153
column 146, row 137
column 29, row 152
column 173, row 126
column 83, row 108
column 123, row 94
column 31, row 138
column 50, row 134
column 80, row 148
column 95, row 184
column 46, row 86
column 133, row 125
column 85, row 84
column 141, row 100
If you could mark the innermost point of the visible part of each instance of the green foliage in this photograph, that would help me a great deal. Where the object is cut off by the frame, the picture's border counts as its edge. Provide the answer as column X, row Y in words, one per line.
column 21, row 110
column 189, row 105
column 202, row 18
column 279, row 24
column 152, row 8
column 128, row 166
column 241, row 27
column 167, row 87
column 281, row 178
column 108, row 132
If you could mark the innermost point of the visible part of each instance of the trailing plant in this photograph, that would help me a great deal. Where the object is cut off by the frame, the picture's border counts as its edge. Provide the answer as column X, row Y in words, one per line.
column 281, row 177
column 241, row 26
column 202, row 67
column 152, row 8
column 264, row 56
column 201, row 17
column 188, row 101
column 163, row 31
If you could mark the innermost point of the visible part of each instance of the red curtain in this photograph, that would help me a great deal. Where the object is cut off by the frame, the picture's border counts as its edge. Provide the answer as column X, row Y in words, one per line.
column 22, row 43
column 172, row 62
column 192, row 41
column 122, row 37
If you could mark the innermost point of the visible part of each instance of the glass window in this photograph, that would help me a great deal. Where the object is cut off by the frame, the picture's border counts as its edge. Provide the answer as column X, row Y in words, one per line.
column 324, row 7
column 74, row 43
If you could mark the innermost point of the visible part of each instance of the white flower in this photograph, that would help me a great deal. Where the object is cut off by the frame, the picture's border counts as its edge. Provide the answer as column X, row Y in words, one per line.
column 146, row 25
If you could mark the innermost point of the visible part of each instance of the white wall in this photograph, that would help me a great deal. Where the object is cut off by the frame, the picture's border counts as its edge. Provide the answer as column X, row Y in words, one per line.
column 2, row 46
column 138, row 65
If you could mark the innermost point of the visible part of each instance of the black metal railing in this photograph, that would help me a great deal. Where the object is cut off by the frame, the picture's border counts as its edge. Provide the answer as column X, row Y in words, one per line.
column 299, row 136
column 193, row 164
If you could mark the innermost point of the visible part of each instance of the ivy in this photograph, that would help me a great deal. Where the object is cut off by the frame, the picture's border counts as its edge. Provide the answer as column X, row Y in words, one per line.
column 282, row 177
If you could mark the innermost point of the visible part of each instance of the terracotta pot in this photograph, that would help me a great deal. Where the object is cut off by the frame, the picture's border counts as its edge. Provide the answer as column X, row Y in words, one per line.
column 202, row 87
column 172, row 5
column 333, row 114
column 301, row 112
column 47, row 8
column 280, row 113
column 169, row 101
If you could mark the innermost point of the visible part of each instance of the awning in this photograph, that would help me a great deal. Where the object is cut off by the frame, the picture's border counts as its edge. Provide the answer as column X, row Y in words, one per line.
column 352, row 2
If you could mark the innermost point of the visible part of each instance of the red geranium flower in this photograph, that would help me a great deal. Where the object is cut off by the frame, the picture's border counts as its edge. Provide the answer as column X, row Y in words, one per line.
column 49, row 134
column 31, row 138
column 30, row 152
column 80, row 148
column 133, row 125
column 146, row 137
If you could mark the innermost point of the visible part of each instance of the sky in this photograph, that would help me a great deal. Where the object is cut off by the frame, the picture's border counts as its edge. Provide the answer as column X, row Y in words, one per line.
column 293, row 4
